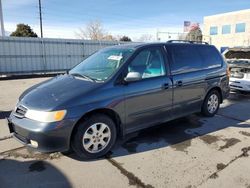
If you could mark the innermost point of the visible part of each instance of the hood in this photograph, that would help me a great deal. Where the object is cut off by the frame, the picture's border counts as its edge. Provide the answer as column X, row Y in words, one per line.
column 53, row 94
column 238, row 57
column 237, row 53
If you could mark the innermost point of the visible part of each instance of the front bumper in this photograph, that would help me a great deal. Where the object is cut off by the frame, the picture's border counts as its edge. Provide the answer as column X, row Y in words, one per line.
column 50, row 137
column 239, row 84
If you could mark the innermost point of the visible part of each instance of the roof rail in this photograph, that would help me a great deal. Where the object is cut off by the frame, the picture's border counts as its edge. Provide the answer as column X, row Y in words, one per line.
column 187, row 41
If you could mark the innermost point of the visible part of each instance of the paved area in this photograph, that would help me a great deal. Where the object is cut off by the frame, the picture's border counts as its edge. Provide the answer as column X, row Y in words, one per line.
column 189, row 152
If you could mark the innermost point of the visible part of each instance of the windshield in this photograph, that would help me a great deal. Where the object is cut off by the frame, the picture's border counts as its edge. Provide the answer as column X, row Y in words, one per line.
column 102, row 64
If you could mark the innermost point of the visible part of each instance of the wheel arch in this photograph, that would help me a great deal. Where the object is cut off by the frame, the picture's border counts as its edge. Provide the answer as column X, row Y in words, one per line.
column 108, row 112
column 217, row 89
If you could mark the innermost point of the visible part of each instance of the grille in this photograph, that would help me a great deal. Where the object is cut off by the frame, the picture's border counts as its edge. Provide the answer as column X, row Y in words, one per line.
column 20, row 111
column 237, row 82
column 235, row 86
column 237, row 75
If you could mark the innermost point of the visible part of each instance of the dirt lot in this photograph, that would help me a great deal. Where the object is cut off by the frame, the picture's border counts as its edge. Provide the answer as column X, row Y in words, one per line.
column 188, row 152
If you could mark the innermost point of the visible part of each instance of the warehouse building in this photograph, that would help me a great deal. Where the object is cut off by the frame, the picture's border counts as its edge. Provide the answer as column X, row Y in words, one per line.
column 230, row 29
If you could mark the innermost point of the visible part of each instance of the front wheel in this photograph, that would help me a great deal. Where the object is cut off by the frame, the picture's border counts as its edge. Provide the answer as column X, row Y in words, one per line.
column 94, row 137
column 211, row 103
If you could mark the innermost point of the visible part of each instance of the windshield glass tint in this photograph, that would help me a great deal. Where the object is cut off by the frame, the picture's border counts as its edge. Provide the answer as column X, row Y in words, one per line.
column 102, row 64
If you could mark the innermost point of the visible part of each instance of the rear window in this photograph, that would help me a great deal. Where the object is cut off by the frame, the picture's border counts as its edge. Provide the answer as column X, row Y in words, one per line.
column 189, row 58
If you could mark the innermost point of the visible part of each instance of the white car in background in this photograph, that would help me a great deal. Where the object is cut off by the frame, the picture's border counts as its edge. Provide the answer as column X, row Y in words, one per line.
column 238, row 60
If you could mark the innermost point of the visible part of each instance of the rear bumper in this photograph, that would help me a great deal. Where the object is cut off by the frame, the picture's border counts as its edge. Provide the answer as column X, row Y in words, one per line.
column 225, row 88
column 225, row 95
column 50, row 137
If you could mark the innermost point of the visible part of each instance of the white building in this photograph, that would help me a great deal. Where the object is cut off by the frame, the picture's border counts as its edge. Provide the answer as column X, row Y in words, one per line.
column 230, row 29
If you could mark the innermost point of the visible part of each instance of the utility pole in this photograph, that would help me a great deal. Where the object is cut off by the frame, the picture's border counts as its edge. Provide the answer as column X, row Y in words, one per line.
column 43, row 45
column 41, row 20
column 1, row 19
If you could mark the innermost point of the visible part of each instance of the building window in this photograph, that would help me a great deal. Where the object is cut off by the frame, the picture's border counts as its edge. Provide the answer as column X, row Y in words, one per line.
column 213, row 30
column 240, row 28
column 226, row 29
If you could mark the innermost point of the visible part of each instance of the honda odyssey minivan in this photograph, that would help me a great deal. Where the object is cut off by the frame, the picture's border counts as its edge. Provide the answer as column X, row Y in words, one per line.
column 119, row 90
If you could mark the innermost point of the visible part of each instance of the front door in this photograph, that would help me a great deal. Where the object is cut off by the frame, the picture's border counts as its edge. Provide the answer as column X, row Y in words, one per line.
column 148, row 101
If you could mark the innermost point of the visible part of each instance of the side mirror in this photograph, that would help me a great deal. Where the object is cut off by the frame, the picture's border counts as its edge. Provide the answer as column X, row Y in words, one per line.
column 133, row 76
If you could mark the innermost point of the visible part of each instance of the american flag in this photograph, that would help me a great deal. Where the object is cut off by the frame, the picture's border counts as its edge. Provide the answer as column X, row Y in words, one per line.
column 188, row 26
column 194, row 26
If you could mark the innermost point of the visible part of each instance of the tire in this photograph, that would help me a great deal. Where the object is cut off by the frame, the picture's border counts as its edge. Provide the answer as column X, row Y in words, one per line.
column 214, row 98
column 89, row 139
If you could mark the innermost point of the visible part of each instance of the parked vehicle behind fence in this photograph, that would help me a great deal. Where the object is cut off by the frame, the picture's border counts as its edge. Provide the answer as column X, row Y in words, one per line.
column 119, row 90
column 239, row 62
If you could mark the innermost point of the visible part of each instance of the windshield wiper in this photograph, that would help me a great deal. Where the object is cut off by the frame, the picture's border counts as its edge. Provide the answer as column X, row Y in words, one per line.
column 83, row 76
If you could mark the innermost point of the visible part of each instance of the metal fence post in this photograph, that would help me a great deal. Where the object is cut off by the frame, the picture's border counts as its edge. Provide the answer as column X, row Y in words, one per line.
column 44, row 56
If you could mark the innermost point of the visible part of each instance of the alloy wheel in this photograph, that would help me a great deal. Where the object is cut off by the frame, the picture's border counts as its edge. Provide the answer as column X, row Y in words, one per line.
column 212, row 103
column 96, row 137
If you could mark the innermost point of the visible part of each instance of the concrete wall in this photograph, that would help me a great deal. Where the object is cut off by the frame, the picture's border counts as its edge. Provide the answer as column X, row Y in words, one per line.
column 232, row 18
column 19, row 55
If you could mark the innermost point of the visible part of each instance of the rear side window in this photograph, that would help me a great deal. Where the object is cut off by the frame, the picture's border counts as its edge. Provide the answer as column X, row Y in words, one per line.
column 185, row 59
column 210, row 56
column 188, row 58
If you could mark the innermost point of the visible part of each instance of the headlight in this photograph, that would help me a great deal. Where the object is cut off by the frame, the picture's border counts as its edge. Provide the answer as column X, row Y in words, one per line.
column 46, row 116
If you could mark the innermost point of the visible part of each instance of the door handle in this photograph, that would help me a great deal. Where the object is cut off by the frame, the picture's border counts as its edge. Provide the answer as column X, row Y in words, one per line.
column 179, row 83
column 165, row 86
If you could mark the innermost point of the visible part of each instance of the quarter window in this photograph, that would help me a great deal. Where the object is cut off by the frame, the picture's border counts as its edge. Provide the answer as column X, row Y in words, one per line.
column 149, row 63
column 240, row 28
column 213, row 30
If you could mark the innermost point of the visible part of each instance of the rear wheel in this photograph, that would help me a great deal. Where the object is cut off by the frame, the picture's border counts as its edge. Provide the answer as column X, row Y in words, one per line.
column 211, row 103
column 94, row 137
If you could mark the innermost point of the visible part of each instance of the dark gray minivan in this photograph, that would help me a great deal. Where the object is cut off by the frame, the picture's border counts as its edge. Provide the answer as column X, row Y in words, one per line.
column 119, row 90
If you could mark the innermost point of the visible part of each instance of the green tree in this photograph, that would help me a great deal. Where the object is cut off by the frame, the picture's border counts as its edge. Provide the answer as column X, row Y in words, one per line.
column 23, row 30
column 125, row 39
column 195, row 34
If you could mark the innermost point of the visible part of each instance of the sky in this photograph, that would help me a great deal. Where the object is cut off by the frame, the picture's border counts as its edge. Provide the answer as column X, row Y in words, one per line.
column 134, row 18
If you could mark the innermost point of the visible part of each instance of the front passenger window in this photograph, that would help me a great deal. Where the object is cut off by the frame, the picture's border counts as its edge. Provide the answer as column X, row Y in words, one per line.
column 149, row 63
